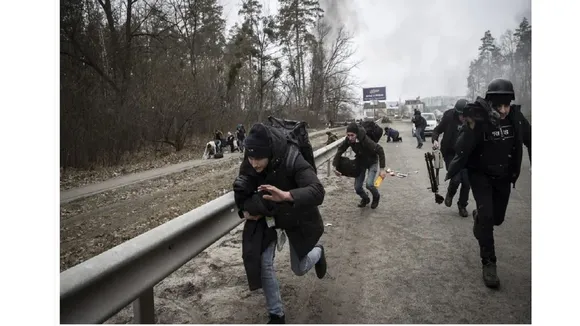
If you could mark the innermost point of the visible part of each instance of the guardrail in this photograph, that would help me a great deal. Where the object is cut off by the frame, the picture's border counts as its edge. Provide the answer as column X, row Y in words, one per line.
column 98, row 288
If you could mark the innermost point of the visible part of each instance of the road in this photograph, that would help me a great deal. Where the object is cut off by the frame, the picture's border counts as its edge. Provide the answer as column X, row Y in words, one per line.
column 408, row 261
column 70, row 195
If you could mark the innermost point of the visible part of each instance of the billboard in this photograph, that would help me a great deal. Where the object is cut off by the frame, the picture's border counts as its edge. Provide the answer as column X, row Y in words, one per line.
column 375, row 94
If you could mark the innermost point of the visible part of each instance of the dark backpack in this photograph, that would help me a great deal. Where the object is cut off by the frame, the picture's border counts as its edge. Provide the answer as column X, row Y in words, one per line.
column 373, row 130
column 296, row 131
column 348, row 167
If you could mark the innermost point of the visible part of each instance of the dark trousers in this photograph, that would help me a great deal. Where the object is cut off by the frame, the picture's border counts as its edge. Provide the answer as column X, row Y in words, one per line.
column 460, row 178
column 491, row 196
column 420, row 135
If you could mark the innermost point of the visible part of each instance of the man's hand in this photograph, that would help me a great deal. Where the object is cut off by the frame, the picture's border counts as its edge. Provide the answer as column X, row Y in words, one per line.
column 470, row 122
column 250, row 217
column 276, row 194
column 337, row 173
column 383, row 174
column 435, row 144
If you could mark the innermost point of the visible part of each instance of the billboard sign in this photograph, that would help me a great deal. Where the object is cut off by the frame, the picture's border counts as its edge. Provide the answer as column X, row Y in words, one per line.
column 374, row 94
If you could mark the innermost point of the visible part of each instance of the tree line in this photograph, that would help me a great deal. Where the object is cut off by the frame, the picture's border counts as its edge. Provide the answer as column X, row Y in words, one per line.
column 139, row 73
column 510, row 58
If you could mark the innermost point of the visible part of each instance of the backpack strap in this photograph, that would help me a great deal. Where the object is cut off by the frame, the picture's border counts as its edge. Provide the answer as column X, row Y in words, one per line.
column 291, row 157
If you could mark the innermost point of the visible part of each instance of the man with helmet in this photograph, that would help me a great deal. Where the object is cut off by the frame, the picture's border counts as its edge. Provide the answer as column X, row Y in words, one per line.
column 450, row 125
column 490, row 147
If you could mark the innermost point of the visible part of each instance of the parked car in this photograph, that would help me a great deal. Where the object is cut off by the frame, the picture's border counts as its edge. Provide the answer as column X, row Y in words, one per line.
column 431, row 124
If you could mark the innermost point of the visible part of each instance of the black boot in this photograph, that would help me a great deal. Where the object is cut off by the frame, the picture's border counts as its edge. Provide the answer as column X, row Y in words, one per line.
column 448, row 199
column 463, row 211
column 364, row 202
column 490, row 278
column 375, row 202
column 320, row 266
column 275, row 319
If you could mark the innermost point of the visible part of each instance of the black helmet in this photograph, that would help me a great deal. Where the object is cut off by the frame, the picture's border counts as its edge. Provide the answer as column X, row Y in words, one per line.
column 460, row 105
column 501, row 87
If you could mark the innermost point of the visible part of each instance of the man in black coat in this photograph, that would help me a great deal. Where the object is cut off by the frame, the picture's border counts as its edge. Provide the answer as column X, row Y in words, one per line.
column 367, row 154
column 490, row 146
column 277, row 190
column 450, row 125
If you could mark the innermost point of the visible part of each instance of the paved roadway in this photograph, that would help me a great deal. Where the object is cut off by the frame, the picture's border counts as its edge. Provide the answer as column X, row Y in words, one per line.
column 408, row 261
column 133, row 178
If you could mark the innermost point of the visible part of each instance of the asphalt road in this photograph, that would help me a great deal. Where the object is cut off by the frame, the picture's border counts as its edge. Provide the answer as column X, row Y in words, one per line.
column 408, row 261
column 133, row 178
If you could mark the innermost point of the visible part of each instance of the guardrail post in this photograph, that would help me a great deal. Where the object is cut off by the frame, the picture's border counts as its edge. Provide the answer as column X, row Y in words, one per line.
column 144, row 308
column 328, row 169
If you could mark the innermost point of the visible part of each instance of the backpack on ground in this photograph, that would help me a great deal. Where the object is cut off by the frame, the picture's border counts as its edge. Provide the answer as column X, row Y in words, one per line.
column 218, row 155
column 296, row 131
column 373, row 130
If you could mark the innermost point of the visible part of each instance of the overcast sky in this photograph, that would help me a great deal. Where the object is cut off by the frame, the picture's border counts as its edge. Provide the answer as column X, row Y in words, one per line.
column 415, row 47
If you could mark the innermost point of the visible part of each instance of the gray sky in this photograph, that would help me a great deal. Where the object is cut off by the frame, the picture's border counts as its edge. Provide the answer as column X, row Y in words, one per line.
column 415, row 47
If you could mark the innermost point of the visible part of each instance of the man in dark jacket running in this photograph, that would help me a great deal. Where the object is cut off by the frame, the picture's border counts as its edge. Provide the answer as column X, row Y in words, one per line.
column 367, row 154
column 278, row 193
column 420, row 125
column 450, row 125
column 490, row 146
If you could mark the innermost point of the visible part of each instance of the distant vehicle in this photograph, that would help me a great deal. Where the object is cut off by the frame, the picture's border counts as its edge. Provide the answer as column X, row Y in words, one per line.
column 431, row 124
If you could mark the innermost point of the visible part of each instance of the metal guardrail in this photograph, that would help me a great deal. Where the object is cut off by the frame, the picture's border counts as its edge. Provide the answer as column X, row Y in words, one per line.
column 98, row 288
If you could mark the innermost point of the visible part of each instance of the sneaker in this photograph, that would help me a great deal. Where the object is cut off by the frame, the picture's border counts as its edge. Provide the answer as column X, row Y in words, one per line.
column 364, row 202
column 375, row 202
column 275, row 319
column 489, row 271
column 320, row 266
column 463, row 211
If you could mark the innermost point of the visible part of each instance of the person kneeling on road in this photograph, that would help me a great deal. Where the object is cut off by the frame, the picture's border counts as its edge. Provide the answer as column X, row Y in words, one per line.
column 490, row 147
column 366, row 151
column 450, row 125
column 393, row 135
column 275, row 195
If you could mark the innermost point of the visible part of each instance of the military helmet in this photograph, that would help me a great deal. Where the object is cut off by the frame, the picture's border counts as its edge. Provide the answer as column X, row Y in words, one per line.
column 460, row 105
column 500, row 88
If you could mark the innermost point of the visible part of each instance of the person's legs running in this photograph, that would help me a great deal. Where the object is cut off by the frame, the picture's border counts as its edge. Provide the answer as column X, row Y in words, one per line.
column 464, row 193
column 483, row 226
column 418, row 132
column 301, row 267
column 270, row 282
column 453, row 183
column 501, row 197
column 370, row 184
column 358, row 188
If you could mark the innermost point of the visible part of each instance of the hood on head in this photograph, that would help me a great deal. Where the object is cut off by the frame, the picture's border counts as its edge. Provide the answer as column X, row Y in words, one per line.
column 278, row 142
column 360, row 132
